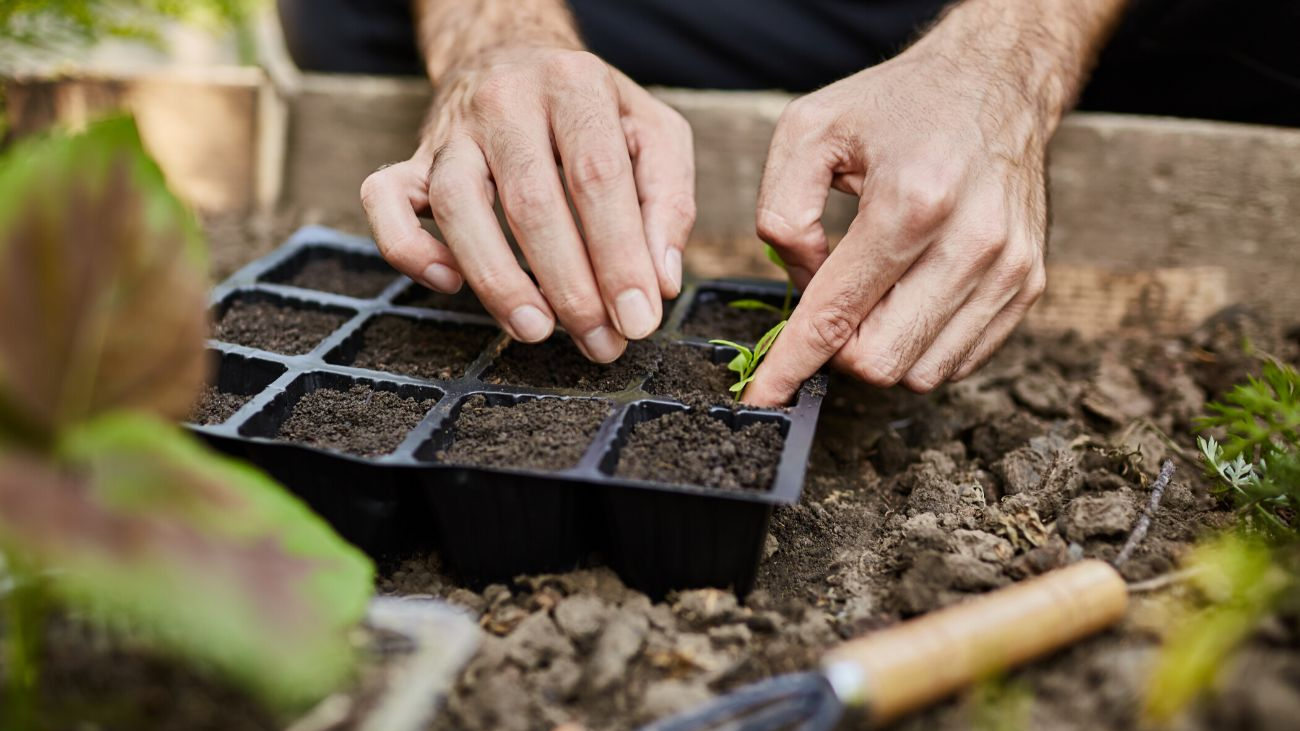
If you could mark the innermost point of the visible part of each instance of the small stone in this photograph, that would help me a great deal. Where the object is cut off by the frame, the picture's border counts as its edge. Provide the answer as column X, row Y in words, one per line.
column 703, row 607
column 668, row 697
column 620, row 641
column 1045, row 393
column 581, row 617
column 1107, row 515
column 770, row 546
column 730, row 634
column 536, row 641
column 982, row 546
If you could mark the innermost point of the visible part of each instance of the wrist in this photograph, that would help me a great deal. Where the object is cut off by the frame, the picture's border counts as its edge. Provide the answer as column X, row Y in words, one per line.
column 1037, row 53
column 458, row 37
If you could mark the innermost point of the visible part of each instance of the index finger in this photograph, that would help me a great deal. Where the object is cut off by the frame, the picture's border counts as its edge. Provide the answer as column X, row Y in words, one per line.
column 598, row 167
column 874, row 253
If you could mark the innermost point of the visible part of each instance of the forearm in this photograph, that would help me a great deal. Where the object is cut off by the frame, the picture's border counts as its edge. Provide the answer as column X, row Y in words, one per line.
column 1042, row 49
column 453, row 33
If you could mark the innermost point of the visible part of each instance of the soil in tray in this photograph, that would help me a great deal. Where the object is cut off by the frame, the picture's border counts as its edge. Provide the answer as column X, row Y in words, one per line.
column 420, row 349
column 557, row 363
column 274, row 327
column 334, row 275
column 361, row 421
column 215, row 406
column 693, row 448
column 689, row 375
column 715, row 319
column 539, row 434
column 463, row 301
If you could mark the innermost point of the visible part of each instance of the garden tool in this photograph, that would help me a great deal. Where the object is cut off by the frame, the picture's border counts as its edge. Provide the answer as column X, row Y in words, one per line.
column 889, row 673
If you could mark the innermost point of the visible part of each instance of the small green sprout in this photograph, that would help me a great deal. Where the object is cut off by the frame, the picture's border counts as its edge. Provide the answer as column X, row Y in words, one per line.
column 745, row 364
column 752, row 304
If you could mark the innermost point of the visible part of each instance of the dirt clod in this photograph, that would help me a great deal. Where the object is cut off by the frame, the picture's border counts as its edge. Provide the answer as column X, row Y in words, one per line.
column 1099, row 516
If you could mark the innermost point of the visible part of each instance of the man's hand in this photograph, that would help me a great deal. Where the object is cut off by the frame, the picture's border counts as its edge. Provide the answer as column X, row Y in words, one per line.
column 522, row 121
column 945, row 146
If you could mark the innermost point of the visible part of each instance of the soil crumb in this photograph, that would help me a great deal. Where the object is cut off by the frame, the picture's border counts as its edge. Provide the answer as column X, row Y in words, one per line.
column 216, row 406
column 334, row 274
column 557, row 363
column 714, row 319
column 693, row 448
column 463, row 301
column 689, row 375
column 277, row 328
column 420, row 349
column 361, row 421
column 538, row 434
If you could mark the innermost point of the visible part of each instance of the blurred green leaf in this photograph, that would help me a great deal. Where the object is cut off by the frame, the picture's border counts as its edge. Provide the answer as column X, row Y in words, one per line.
column 204, row 555
column 774, row 257
column 753, row 305
column 102, row 282
column 1242, row 582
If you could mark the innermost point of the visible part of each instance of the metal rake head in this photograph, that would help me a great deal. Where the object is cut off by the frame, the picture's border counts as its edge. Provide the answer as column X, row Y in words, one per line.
column 801, row 702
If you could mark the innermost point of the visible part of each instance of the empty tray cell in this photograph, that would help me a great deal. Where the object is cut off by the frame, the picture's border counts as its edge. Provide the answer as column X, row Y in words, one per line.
column 463, row 301
column 712, row 316
column 717, row 448
column 411, row 347
column 547, row 433
column 236, row 380
column 358, row 416
column 557, row 363
column 694, row 374
column 280, row 325
column 326, row 269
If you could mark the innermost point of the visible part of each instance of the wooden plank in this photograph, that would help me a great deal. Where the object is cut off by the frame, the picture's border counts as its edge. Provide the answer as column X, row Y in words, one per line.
column 202, row 126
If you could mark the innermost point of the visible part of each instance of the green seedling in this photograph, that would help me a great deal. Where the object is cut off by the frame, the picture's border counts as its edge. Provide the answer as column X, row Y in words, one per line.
column 745, row 364
column 752, row 304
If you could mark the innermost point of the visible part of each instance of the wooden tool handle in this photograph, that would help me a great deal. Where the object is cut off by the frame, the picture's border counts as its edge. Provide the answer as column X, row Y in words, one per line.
column 903, row 668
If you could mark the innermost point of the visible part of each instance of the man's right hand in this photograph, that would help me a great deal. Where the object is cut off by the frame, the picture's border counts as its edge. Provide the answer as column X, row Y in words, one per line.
column 508, row 124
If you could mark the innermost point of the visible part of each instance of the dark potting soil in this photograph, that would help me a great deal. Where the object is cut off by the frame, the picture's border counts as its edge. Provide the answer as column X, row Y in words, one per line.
column 274, row 327
column 689, row 375
column 557, row 363
column 539, row 434
column 420, row 349
column 693, row 448
column 714, row 319
column 331, row 274
column 463, row 301
column 215, row 406
column 361, row 421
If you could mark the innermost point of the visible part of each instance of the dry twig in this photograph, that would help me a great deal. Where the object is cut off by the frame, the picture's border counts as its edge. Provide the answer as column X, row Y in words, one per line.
column 1144, row 521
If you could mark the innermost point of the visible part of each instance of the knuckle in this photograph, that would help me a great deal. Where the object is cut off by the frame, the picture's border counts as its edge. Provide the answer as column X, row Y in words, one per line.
column 877, row 369
column 576, row 65
column 597, row 170
column 775, row 228
column 493, row 93
column 1035, row 284
column 373, row 187
column 924, row 201
column 683, row 206
column 985, row 247
column 923, row 378
column 801, row 115
column 578, row 309
column 831, row 328
column 526, row 200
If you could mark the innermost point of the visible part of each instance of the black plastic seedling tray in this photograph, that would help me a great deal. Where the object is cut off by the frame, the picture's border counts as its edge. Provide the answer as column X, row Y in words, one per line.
column 492, row 524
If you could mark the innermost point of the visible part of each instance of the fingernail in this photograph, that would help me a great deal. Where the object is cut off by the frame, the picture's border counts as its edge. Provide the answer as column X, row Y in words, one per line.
column 635, row 316
column 673, row 267
column 442, row 278
column 603, row 344
column 530, row 324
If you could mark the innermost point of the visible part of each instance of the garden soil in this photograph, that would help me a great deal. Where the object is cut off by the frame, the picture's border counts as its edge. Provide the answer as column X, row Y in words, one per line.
column 275, row 327
column 694, row 448
column 911, row 503
column 538, row 434
column 420, row 349
column 334, row 275
column 361, row 420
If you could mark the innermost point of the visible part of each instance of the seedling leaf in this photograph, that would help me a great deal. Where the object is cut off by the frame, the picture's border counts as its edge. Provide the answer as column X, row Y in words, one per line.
column 765, row 343
column 774, row 257
column 750, row 304
column 205, row 556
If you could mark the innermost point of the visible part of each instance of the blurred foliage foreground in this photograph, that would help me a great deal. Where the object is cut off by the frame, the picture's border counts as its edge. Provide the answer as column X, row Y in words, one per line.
column 108, row 510
column 1253, row 570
